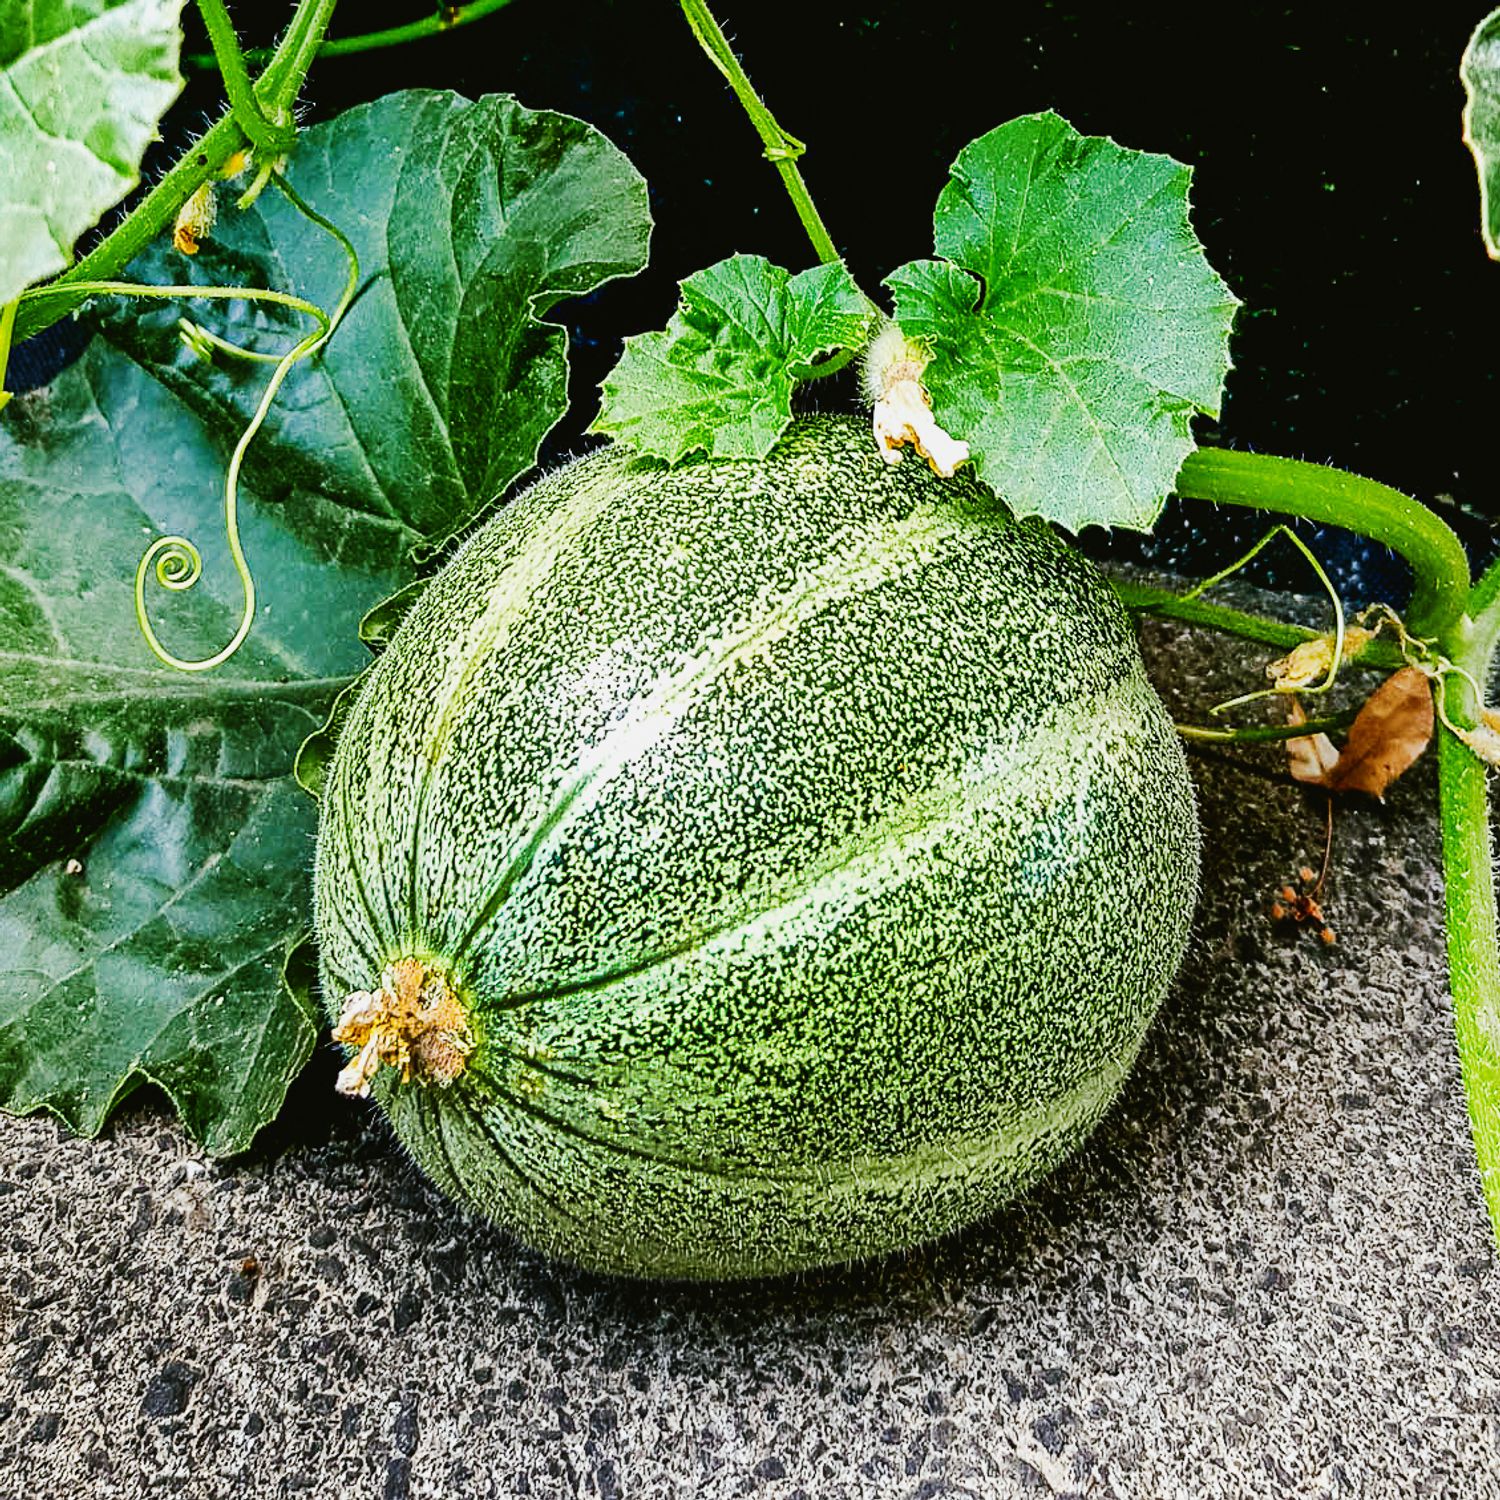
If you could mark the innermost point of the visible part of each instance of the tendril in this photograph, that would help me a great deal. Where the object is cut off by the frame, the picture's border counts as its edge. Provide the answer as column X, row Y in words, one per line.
column 1338, row 614
column 174, row 561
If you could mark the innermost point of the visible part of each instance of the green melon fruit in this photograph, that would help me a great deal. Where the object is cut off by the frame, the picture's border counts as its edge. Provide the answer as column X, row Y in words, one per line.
column 797, row 847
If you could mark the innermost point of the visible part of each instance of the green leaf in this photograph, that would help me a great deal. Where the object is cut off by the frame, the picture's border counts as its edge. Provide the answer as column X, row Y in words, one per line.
column 83, row 86
column 379, row 624
column 719, row 379
column 310, row 765
column 154, row 849
column 1074, row 321
column 299, row 975
column 471, row 221
column 1480, row 71
column 375, row 630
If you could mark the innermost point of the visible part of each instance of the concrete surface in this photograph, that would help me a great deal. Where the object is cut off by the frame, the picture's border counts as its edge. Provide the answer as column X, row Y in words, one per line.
column 1269, row 1275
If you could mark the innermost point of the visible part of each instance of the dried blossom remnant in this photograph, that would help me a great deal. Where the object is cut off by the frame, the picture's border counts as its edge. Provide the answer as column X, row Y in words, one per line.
column 195, row 219
column 1313, row 660
column 1484, row 738
column 903, row 411
column 413, row 1023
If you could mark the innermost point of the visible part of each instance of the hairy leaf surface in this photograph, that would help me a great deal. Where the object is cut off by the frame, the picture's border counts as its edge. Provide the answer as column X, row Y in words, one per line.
column 1075, row 323
column 719, row 378
column 1481, row 75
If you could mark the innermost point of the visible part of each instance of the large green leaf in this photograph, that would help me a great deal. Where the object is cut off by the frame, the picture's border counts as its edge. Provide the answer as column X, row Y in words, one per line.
column 1075, row 323
column 154, row 849
column 471, row 220
column 719, row 378
column 1480, row 70
column 83, row 86
column 154, row 845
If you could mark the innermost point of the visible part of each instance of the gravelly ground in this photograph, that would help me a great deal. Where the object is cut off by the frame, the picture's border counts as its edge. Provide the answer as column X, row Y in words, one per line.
column 1269, row 1275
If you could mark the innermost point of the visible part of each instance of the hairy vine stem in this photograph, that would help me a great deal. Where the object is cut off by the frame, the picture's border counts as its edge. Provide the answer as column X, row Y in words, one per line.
column 275, row 91
column 1473, row 948
column 1315, row 492
column 1465, row 623
column 444, row 19
column 267, row 136
column 782, row 149
column 1469, row 891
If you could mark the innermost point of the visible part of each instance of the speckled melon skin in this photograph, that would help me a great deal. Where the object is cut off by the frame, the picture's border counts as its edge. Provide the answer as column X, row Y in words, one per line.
column 804, row 837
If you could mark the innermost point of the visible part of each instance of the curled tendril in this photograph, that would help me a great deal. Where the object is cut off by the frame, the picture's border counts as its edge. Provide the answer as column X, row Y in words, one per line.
column 178, row 565
column 1323, row 578
column 203, row 342
column 174, row 561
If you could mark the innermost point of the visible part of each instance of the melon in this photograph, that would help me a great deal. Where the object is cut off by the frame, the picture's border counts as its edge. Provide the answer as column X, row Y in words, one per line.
column 742, row 867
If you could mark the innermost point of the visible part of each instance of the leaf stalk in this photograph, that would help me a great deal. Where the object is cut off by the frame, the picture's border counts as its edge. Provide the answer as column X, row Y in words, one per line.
column 276, row 91
column 267, row 136
column 782, row 149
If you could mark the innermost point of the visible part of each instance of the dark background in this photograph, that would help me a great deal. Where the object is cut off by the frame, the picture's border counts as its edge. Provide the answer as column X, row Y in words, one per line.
column 1331, row 187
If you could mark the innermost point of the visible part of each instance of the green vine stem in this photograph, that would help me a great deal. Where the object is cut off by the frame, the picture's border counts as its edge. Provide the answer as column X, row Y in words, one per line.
column 276, row 90
column 1469, row 889
column 445, row 18
column 268, row 137
column 1146, row 599
column 1477, row 651
column 1264, row 733
column 781, row 149
column 1466, row 626
column 1473, row 949
column 1316, row 493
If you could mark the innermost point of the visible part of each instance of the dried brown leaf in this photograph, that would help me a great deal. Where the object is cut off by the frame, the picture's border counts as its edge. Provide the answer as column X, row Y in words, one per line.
column 1309, row 757
column 1388, row 735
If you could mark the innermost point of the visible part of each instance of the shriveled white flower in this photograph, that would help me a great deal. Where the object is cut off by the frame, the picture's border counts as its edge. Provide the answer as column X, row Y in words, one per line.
column 893, row 367
column 195, row 219
column 1313, row 659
